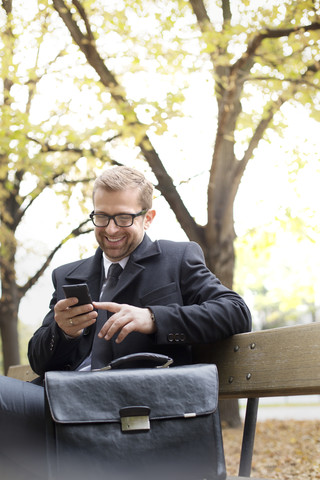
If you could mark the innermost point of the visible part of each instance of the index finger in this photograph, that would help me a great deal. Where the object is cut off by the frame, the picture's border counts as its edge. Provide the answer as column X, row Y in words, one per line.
column 110, row 306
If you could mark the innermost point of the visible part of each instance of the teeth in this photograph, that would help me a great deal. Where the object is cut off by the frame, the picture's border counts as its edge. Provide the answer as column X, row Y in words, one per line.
column 114, row 239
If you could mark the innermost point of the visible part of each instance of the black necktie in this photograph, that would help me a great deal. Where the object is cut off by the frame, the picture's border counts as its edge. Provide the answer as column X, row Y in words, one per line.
column 101, row 349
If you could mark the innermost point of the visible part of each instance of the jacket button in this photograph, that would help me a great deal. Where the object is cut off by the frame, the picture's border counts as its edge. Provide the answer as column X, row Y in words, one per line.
column 171, row 337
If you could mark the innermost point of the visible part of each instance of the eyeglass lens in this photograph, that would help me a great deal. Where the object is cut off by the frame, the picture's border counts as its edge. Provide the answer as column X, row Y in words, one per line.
column 120, row 220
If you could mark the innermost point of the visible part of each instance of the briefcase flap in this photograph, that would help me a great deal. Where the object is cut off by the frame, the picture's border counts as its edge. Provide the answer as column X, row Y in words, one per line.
column 86, row 397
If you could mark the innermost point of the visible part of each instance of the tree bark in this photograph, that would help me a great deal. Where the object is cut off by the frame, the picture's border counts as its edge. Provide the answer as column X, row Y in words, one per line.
column 229, row 413
column 9, row 338
column 9, row 305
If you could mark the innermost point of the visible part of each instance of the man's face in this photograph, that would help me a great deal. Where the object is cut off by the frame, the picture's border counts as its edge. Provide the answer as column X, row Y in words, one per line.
column 118, row 242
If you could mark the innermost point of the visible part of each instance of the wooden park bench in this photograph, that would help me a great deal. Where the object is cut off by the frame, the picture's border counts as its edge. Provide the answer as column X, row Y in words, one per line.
column 268, row 363
column 276, row 362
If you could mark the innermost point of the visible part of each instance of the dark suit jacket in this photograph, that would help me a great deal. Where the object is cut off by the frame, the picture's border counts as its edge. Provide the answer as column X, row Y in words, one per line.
column 189, row 303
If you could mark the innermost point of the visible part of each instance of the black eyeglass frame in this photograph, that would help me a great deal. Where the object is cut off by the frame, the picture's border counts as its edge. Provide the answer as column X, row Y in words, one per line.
column 113, row 217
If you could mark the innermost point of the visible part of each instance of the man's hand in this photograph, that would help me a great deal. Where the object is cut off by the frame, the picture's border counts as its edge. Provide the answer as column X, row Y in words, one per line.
column 72, row 319
column 125, row 319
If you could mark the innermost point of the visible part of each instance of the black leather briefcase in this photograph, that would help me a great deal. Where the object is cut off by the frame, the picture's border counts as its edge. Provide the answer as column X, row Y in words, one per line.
column 137, row 423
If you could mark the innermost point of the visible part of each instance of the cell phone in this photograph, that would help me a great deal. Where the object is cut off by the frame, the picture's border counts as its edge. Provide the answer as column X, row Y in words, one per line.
column 80, row 290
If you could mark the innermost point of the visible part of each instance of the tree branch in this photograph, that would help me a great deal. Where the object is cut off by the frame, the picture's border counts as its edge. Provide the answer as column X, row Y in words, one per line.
column 54, row 180
column 76, row 232
column 201, row 14
column 7, row 5
column 293, row 81
column 87, row 46
column 46, row 147
column 226, row 11
column 258, row 134
column 32, row 82
column 84, row 17
column 56, row 177
column 254, row 44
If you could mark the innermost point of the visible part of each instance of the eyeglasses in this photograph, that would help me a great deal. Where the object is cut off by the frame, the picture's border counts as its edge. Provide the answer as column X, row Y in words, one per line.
column 121, row 219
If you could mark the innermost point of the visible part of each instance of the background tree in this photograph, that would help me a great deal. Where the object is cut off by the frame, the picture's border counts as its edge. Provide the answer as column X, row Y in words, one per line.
column 35, row 155
column 270, row 53
column 136, row 62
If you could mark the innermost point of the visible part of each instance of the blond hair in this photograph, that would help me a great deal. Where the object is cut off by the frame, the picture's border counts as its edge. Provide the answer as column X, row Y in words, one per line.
column 124, row 178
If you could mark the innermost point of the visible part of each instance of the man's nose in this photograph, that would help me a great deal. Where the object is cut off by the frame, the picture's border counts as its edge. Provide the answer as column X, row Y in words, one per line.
column 112, row 227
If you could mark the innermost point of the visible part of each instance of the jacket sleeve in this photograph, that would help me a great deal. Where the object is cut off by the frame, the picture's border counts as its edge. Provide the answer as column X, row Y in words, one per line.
column 49, row 348
column 209, row 310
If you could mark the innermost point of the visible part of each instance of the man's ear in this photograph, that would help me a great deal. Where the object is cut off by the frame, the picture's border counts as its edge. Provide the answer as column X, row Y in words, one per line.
column 149, row 218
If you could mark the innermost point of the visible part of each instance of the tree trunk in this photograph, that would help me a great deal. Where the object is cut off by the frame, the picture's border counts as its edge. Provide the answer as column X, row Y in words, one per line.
column 216, row 238
column 220, row 258
column 10, row 296
column 9, row 336
column 229, row 413
column 9, row 306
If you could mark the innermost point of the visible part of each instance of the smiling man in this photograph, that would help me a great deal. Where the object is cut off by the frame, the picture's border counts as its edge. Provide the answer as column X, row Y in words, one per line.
column 147, row 297
column 165, row 299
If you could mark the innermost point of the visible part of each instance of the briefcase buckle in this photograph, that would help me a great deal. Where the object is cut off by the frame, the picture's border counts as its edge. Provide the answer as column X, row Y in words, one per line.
column 135, row 418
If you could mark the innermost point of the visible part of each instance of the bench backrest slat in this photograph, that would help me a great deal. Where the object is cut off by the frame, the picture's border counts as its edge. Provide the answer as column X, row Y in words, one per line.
column 22, row 372
column 275, row 362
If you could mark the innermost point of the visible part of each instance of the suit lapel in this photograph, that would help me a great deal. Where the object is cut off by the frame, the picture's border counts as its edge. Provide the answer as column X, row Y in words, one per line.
column 135, row 266
column 91, row 272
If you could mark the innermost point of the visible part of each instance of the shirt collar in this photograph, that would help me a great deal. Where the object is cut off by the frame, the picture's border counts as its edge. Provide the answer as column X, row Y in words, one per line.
column 107, row 263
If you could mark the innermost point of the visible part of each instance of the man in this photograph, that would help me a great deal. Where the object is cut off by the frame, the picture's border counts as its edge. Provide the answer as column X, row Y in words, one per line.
column 164, row 301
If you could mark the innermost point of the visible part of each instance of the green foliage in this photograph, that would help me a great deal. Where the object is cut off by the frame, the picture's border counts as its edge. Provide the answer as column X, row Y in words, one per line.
column 40, row 148
column 263, row 57
column 278, row 260
column 277, row 270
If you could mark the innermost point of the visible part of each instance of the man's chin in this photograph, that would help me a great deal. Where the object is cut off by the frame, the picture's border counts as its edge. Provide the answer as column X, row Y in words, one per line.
column 112, row 252
column 113, row 256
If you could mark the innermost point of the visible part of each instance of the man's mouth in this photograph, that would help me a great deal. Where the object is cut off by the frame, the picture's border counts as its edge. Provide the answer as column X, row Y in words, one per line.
column 114, row 240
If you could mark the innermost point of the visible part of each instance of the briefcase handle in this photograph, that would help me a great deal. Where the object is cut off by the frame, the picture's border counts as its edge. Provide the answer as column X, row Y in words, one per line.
column 140, row 360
